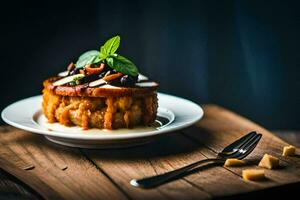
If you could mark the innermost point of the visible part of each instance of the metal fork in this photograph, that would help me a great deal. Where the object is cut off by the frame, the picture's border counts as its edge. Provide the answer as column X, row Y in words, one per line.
column 238, row 149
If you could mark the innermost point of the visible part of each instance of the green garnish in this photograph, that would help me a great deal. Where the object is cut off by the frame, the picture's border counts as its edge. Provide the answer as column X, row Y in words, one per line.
column 122, row 64
column 108, row 53
column 110, row 47
column 76, row 79
column 89, row 57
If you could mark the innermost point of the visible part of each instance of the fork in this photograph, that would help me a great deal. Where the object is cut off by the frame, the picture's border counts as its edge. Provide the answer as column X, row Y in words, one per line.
column 238, row 149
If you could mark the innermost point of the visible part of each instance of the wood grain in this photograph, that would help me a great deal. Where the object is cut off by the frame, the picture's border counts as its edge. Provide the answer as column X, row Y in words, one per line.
column 34, row 181
column 105, row 174
column 80, row 180
column 124, row 164
column 291, row 136
column 220, row 127
column 11, row 188
column 168, row 153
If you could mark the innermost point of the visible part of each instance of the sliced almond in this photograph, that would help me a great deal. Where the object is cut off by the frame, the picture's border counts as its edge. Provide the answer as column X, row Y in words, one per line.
column 63, row 74
column 82, row 71
column 97, row 83
column 146, row 84
column 112, row 77
column 141, row 77
column 71, row 66
column 67, row 79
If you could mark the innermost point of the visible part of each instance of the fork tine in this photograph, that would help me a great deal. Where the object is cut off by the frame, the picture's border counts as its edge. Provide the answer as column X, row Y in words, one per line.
column 237, row 144
column 248, row 143
column 251, row 147
column 247, row 149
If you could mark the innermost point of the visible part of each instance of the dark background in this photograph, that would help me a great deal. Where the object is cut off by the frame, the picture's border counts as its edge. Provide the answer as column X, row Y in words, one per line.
column 243, row 55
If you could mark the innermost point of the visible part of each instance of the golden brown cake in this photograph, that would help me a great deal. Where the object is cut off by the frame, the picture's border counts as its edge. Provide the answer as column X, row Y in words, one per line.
column 233, row 162
column 99, row 93
column 269, row 162
column 288, row 150
column 253, row 174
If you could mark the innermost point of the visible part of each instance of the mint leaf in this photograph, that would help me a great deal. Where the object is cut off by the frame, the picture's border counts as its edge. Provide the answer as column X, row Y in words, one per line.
column 88, row 54
column 122, row 64
column 96, row 59
column 108, row 52
column 89, row 57
column 102, row 53
column 110, row 47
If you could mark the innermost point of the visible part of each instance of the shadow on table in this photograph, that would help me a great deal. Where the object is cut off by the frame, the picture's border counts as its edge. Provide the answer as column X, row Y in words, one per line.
column 165, row 145
column 278, row 192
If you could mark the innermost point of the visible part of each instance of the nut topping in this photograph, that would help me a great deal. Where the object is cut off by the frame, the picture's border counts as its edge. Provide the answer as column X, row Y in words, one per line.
column 67, row 79
column 63, row 74
column 71, row 66
column 112, row 77
column 146, row 84
column 97, row 83
column 94, row 70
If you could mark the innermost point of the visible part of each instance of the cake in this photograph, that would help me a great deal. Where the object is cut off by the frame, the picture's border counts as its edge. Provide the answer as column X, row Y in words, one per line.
column 253, row 174
column 288, row 150
column 269, row 162
column 233, row 162
column 101, row 90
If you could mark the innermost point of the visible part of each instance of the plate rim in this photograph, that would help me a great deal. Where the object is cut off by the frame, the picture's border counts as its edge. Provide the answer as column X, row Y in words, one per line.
column 37, row 129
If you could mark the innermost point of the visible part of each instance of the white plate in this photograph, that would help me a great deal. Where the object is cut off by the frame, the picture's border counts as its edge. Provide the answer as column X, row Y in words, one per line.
column 174, row 113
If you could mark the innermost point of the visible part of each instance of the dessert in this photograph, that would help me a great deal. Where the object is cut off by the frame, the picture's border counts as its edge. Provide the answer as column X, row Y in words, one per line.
column 253, row 174
column 233, row 162
column 101, row 90
column 269, row 162
column 289, row 150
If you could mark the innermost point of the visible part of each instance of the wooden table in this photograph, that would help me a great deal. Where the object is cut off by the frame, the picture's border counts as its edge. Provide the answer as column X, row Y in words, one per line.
column 55, row 172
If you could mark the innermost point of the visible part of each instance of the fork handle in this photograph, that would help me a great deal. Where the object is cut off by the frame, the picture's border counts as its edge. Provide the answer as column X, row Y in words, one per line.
column 156, row 180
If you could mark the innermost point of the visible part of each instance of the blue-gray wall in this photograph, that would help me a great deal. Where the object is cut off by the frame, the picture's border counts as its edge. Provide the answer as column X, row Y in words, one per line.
column 243, row 55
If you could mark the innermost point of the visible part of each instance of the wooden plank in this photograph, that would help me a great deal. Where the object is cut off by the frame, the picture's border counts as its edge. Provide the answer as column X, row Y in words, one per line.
column 80, row 180
column 293, row 137
column 35, row 182
column 17, row 158
column 220, row 127
column 167, row 153
column 105, row 174
column 11, row 189
column 224, row 184
column 122, row 165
